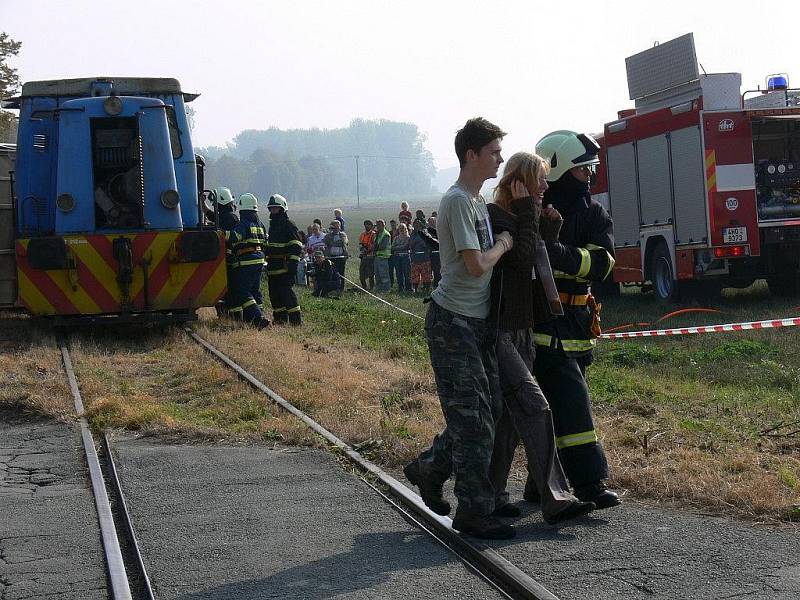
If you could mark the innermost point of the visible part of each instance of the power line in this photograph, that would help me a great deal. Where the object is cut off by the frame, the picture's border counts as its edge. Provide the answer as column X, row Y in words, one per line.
column 334, row 157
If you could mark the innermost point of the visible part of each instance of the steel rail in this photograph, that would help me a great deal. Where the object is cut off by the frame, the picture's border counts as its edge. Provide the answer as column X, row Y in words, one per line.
column 127, row 521
column 438, row 537
column 505, row 575
column 120, row 587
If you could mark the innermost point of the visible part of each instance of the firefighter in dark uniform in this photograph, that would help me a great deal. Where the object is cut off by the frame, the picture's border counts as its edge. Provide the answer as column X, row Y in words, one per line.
column 228, row 219
column 226, row 208
column 583, row 252
column 246, row 241
column 284, row 250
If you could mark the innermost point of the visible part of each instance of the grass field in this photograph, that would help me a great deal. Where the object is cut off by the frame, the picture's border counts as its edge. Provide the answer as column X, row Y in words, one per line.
column 711, row 421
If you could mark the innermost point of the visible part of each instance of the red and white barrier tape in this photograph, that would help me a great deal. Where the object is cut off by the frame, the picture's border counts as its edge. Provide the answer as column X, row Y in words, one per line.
column 770, row 324
column 725, row 327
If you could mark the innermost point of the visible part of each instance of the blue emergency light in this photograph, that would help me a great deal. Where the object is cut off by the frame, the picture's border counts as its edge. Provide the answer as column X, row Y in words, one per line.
column 779, row 81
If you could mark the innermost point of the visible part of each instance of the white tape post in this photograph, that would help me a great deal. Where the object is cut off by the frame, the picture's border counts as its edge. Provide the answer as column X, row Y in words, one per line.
column 769, row 324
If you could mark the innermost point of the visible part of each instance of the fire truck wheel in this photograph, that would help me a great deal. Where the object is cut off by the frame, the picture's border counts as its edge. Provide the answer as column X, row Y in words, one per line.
column 665, row 286
column 782, row 286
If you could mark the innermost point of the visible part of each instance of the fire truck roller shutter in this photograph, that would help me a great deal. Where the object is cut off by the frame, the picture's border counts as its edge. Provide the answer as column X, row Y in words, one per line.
column 688, row 184
column 623, row 194
column 654, row 180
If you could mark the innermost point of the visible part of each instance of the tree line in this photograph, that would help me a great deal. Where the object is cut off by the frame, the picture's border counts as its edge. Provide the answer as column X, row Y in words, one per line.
column 9, row 85
column 369, row 158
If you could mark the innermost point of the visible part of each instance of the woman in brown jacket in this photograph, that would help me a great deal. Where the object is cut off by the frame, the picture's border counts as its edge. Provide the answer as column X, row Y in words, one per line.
column 518, row 300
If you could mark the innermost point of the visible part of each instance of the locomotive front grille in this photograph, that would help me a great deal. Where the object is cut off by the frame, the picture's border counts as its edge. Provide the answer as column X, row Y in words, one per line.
column 106, row 158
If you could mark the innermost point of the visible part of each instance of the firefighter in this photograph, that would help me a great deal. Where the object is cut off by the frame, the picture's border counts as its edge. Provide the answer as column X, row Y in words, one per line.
column 283, row 253
column 227, row 220
column 583, row 252
column 226, row 207
column 246, row 242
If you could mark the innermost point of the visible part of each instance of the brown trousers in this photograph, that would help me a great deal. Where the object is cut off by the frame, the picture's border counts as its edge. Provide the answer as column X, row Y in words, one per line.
column 526, row 416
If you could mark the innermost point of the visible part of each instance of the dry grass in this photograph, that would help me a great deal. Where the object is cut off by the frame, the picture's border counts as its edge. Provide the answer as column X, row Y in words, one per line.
column 384, row 408
column 32, row 378
column 164, row 384
column 729, row 478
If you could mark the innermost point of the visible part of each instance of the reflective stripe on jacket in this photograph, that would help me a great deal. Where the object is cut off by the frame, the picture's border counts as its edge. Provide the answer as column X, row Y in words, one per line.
column 248, row 236
column 284, row 245
column 584, row 252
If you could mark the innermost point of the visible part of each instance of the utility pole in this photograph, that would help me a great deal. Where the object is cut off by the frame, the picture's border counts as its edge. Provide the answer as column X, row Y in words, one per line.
column 358, row 191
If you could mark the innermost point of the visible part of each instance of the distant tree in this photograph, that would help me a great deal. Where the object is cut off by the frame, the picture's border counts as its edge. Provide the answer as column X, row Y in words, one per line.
column 9, row 83
column 312, row 164
column 191, row 115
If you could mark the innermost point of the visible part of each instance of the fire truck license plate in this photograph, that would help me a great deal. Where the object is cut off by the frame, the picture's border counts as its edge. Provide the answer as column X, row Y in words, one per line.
column 734, row 235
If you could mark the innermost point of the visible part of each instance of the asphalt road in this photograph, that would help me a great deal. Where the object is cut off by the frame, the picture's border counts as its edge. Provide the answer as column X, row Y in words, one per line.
column 50, row 543
column 253, row 522
column 640, row 551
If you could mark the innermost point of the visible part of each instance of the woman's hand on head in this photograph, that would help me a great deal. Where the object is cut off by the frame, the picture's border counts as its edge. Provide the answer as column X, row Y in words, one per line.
column 518, row 190
column 551, row 213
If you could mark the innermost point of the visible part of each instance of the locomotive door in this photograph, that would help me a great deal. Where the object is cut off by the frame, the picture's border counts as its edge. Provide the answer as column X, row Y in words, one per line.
column 8, row 269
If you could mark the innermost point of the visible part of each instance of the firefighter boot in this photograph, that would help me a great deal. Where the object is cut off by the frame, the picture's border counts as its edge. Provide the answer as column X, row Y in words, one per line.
column 598, row 493
column 430, row 493
column 481, row 526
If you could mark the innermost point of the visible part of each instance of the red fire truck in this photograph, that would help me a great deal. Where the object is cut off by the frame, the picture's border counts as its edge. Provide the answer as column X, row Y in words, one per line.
column 702, row 180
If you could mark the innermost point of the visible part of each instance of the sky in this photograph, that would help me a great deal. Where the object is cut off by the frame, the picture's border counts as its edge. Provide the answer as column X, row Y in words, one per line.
column 530, row 67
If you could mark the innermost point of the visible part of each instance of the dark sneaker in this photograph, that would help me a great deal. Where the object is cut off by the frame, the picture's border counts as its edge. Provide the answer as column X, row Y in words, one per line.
column 263, row 324
column 483, row 527
column 531, row 494
column 573, row 511
column 431, row 494
column 599, row 494
column 508, row 511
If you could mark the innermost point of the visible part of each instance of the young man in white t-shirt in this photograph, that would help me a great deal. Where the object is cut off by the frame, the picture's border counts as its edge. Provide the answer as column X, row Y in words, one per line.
column 461, row 347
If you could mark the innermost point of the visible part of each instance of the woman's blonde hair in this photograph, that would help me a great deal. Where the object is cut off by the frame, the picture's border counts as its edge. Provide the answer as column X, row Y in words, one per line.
column 522, row 166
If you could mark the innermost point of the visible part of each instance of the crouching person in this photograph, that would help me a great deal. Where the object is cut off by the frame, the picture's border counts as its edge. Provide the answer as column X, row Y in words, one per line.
column 326, row 277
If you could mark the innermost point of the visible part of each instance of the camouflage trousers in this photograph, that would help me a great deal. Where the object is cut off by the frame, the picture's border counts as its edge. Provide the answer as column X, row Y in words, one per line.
column 465, row 369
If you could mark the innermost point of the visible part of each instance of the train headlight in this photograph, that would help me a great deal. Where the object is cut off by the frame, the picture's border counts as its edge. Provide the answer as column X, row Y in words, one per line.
column 65, row 202
column 170, row 199
column 112, row 106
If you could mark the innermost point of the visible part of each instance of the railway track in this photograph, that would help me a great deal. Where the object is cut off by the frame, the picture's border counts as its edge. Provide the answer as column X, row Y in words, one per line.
column 127, row 572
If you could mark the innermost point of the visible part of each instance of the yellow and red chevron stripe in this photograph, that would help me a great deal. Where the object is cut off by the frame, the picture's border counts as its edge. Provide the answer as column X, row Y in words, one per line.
column 89, row 284
column 711, row 170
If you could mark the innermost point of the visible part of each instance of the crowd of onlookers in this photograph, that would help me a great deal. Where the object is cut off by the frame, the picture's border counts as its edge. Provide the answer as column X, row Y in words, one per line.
column 403, row 255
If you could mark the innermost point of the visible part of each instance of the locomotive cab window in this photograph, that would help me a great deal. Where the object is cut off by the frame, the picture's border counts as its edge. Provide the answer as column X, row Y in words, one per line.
column 117, row 173
column 174, row 133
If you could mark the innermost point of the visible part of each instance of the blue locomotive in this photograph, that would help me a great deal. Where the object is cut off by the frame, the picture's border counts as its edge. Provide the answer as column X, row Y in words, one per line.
column 106, row 214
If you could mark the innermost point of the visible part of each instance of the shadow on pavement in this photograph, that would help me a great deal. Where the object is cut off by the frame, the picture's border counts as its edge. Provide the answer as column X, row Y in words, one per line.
column 374, row 560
